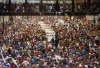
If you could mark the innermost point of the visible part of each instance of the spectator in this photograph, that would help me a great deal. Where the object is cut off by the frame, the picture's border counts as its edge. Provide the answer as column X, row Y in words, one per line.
column 25, row 44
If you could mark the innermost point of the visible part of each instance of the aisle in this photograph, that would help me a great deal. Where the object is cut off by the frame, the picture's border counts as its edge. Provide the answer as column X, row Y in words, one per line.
column 47, row 28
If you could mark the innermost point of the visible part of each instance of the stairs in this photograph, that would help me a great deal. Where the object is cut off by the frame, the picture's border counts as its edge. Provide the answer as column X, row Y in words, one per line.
column 47, row 28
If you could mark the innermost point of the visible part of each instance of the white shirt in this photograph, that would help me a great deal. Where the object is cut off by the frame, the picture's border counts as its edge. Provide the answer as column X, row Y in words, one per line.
column 25, row 62
column 86, row 66
column 96, row 38
column 18, row 7
column 70, row 60
column 80, row 65
column 50, row 45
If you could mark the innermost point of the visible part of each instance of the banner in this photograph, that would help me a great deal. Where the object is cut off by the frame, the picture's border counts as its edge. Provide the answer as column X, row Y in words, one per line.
column 89, row 17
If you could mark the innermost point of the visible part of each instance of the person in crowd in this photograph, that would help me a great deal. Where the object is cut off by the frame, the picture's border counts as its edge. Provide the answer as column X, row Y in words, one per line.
column 24, row 44
column 5, row 7
column 50, row 7
column 57, row 6
column 1, row 6
column 12, row 7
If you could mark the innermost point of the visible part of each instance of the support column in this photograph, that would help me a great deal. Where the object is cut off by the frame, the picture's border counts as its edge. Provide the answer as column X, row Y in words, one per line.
column 3, row 25
column 9, row 6
column 73, row 5
column 0, row 18
column 56, row 6
column 41, row 6
column 89, row 4
column 85, row 5
column 26, row 5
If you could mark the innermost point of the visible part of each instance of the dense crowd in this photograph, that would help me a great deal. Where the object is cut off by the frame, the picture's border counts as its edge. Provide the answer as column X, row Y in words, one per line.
column 19, row 8
column 23, row 44
column 83, row 7
column 49, row 7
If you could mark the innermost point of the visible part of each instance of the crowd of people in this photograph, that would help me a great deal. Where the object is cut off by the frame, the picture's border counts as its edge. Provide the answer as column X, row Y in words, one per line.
column 23, row 44
column 83, row 7
column 19, row 8
column 63, row 7
column 49, row 7
column 4, row 7
column 34, row 8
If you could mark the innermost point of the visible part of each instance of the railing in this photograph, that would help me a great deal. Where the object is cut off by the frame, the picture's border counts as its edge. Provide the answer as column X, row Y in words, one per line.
column 48, row 9
column 51, row 14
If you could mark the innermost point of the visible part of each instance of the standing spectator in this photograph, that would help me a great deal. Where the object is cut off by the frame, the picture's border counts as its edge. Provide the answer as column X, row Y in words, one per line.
column 18, row 8
column 21, row 7
column 12, row 7
column 57, row 6
column 1, row 7
column 5, row 7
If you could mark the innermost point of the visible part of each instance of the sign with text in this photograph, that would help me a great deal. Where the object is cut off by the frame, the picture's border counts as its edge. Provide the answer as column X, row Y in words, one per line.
column 89, row 17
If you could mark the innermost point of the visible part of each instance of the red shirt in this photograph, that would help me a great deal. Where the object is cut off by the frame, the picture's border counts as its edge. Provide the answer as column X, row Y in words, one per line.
column 82, row 47
column 13, row 66
column 34, row 42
